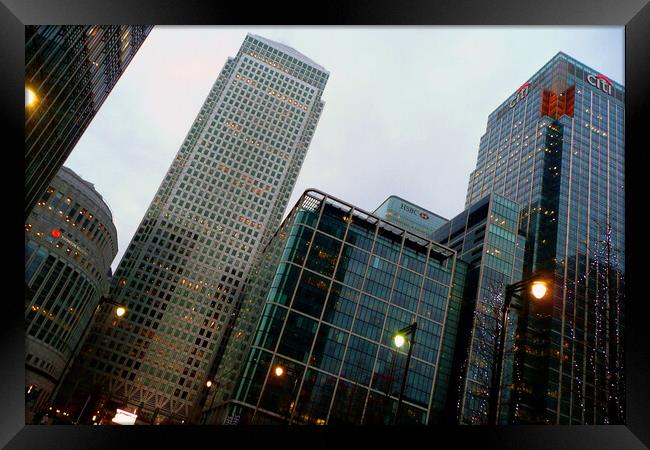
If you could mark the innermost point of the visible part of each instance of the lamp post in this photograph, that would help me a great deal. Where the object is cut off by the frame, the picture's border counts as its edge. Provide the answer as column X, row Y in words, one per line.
column 538, row 289
column 279, row 371
column 400, row 339
column 208, row 385
column 120, row 311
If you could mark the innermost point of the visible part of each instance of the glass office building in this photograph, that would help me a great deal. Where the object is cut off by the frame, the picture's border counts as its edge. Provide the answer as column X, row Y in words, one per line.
column 486, row 237
column 221, row 200
column 556, row 147
column 409, row 216
column 343, row 282
column 69, row 72
column 70, row 243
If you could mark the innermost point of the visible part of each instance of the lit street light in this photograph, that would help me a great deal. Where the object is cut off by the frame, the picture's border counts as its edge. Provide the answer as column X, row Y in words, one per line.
column 208, row 385
column 30, row 97
column 279, row 372
column 538, row 288
column 399, row 340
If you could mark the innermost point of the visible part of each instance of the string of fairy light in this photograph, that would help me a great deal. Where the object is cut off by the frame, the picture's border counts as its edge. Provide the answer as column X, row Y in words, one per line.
column 601, row 289
column 478, row 364
column 606, row 294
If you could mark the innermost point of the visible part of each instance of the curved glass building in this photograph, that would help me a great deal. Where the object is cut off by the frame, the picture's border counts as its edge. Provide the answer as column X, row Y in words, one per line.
column 336, row 284
column 70, row 243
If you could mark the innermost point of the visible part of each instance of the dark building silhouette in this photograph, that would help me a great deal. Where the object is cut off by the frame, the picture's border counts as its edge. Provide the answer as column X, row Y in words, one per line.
column 69, row 72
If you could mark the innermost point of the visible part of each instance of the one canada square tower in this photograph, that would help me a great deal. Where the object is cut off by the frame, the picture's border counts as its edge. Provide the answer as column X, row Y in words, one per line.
column 220, row 201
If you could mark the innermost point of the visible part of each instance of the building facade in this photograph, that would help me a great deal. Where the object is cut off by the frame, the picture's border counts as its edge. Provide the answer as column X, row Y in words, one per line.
column 69, row 72
column 486, row 237
column 342, row 283
column 556, row 147
column 409, row 216
column 220, row 201
column 70, row 243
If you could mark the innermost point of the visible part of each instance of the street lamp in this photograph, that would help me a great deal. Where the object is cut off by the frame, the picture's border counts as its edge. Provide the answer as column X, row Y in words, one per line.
column 30, row 97
column 538, row 288
column 209, row 384
column 279, row 372
column 399, row 340
column 120, row 311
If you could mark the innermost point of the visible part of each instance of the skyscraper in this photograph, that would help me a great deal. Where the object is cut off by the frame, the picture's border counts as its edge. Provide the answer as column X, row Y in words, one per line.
column 556, row 147
column 222, row 198
column 70, row 243
column 69, row 72
column 486, row 238
column 342, row 282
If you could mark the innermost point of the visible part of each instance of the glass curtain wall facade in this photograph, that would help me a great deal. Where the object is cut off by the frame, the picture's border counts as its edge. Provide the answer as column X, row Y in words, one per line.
column 70, row 243
column 221, row 199
column 70, row 70
column 556, row 147
column 486, row 237
column 345, row 283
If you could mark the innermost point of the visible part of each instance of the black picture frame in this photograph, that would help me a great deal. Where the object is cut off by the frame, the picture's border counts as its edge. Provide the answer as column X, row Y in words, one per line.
column 633, row 14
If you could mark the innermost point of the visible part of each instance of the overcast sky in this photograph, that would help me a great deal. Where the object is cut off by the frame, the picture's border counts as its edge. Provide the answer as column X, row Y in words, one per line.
column 405, row 107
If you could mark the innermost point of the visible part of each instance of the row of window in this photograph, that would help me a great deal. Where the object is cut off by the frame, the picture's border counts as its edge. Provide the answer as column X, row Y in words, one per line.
column 76, row 216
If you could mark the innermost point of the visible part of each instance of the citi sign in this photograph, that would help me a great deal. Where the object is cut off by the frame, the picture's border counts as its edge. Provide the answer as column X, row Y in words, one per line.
column 521, row 93
column 601, row 82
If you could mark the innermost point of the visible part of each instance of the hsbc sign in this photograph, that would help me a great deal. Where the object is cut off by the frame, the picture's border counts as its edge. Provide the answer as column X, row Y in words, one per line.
column 412, row 210
column 601, row 82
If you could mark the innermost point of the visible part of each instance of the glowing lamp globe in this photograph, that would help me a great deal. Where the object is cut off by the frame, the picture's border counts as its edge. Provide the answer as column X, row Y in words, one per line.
column 538, row 289
column 30, row 97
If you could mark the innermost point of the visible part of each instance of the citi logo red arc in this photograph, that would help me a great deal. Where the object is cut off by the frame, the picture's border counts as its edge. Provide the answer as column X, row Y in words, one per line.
column 603, row 77
column 519, row 94
column 601, row 82
column 522, row 87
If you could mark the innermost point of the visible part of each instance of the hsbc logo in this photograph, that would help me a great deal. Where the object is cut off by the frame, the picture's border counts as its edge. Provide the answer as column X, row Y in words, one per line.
column 412, row 210
column 521, row 93
column 601, row 82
